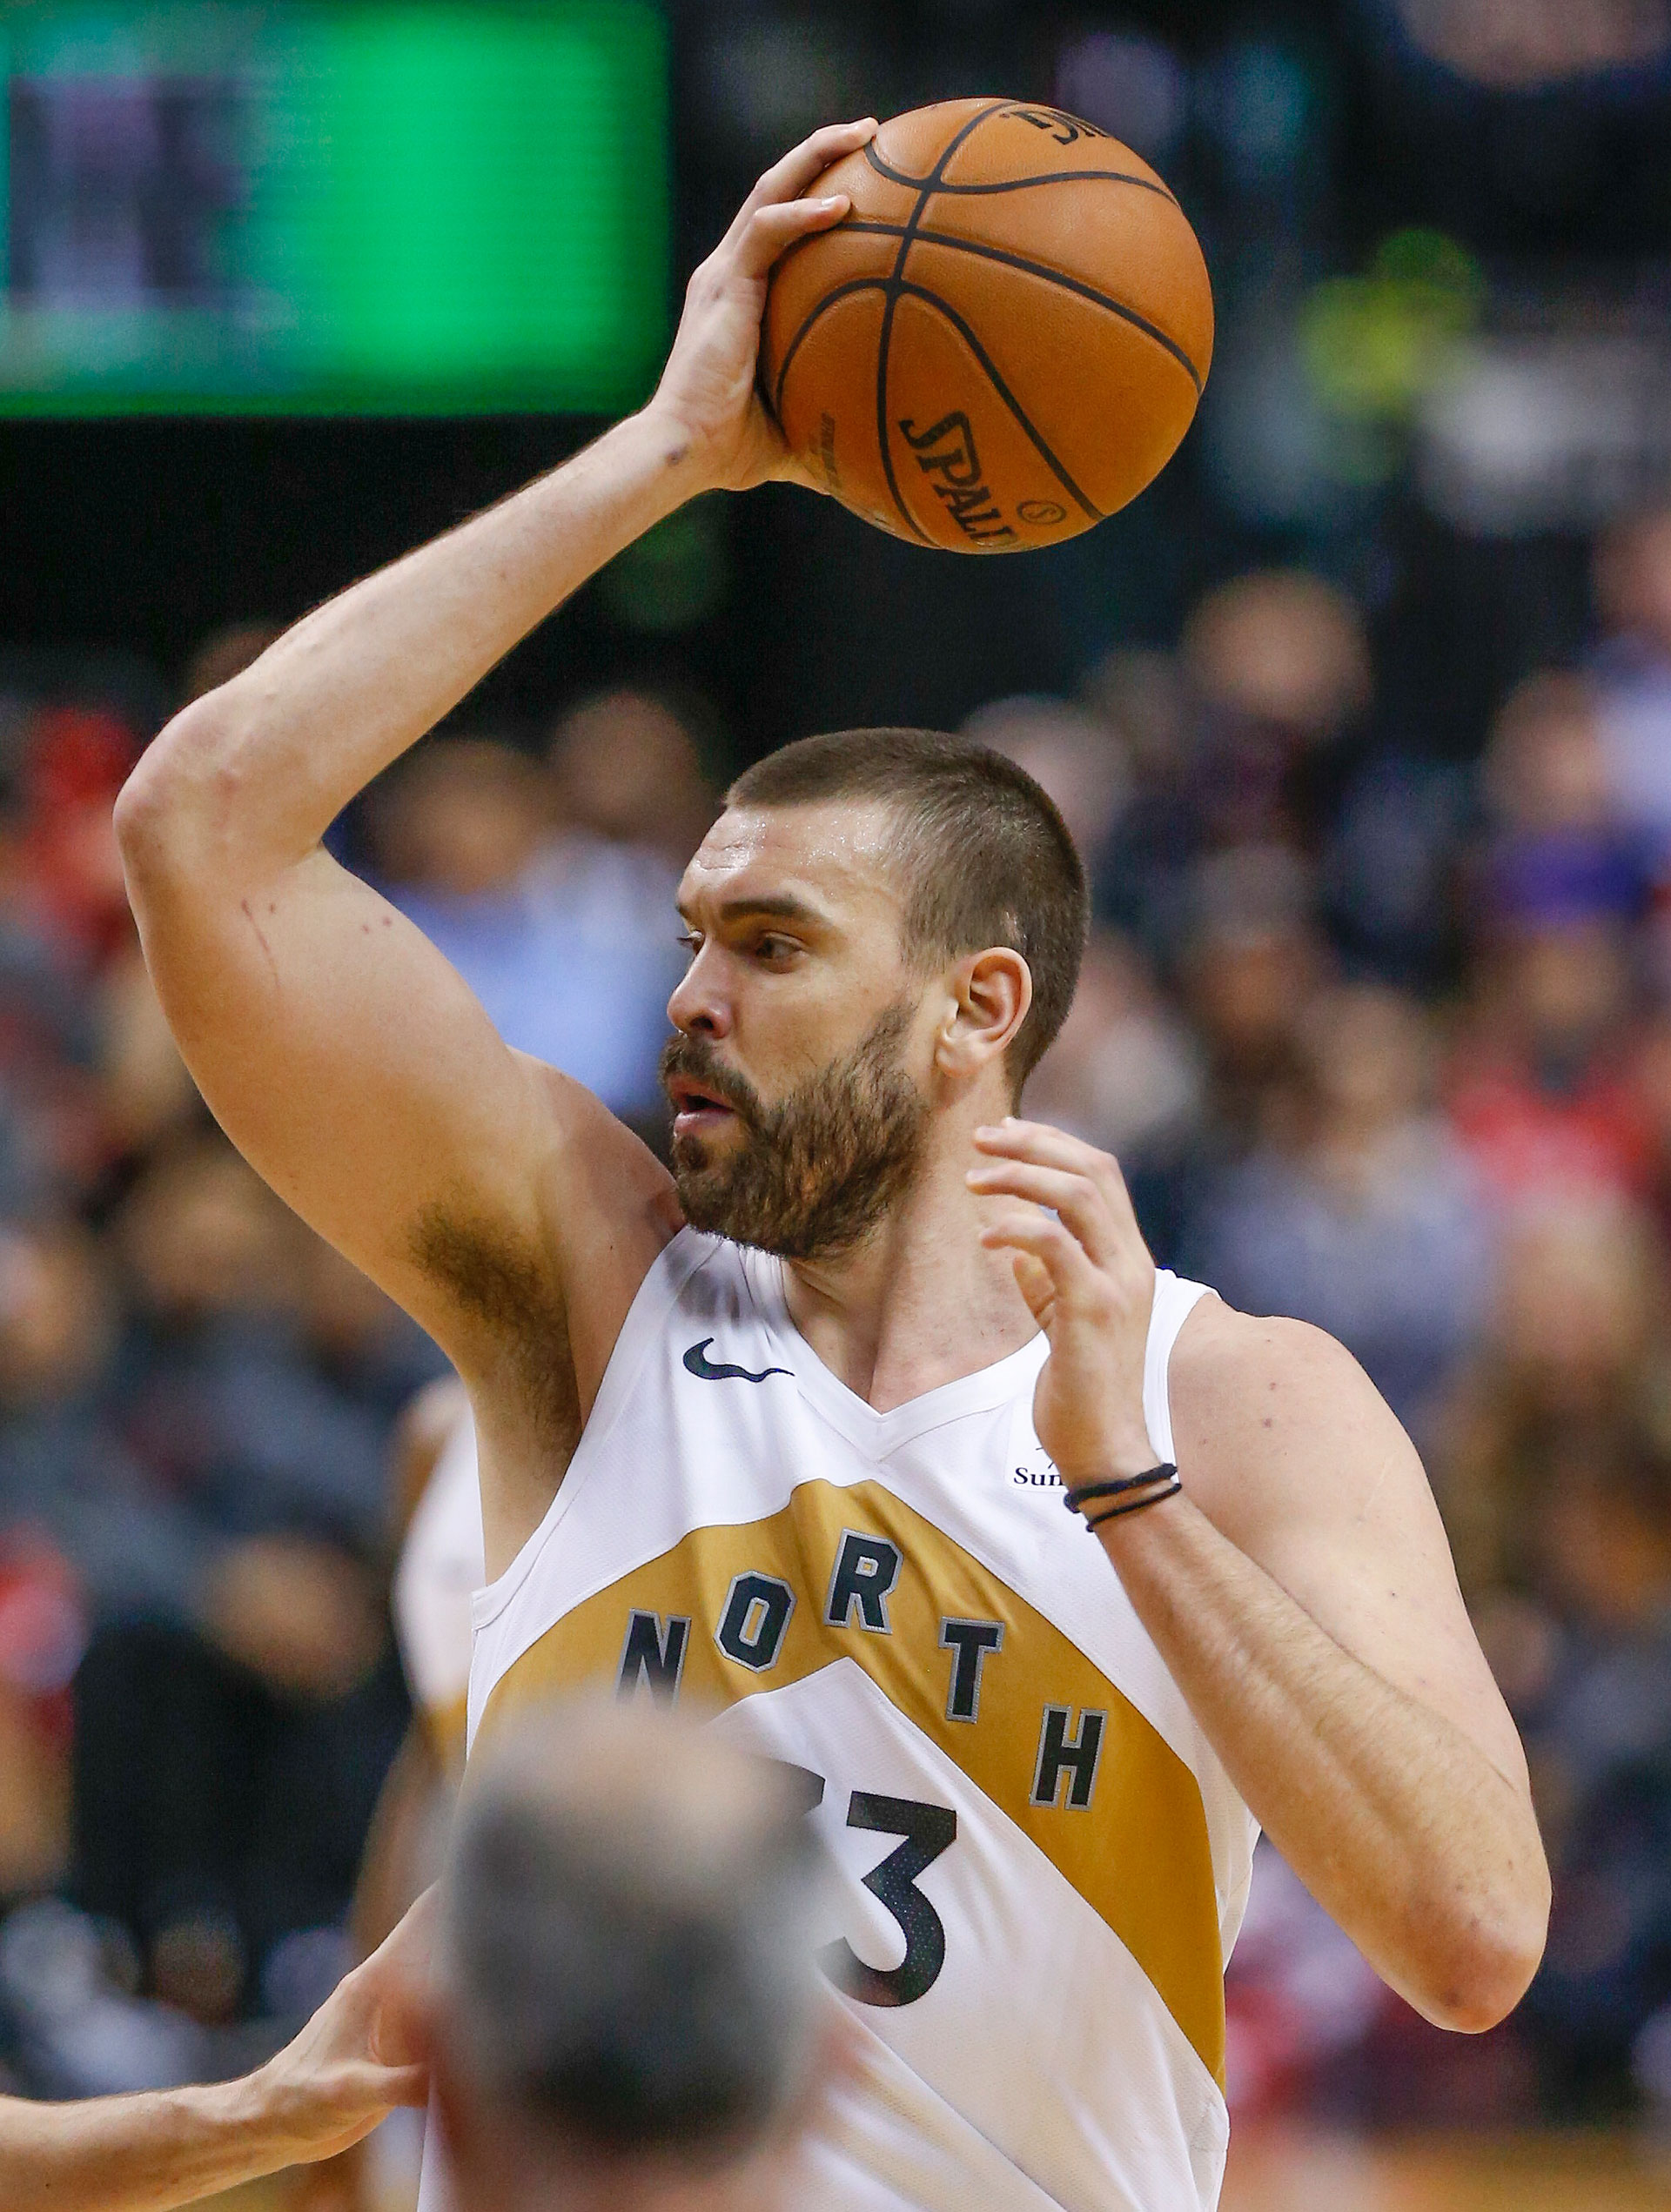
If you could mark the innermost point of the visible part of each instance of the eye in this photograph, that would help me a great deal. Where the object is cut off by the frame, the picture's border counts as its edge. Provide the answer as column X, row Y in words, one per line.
column 691, row 940
column 776, row 949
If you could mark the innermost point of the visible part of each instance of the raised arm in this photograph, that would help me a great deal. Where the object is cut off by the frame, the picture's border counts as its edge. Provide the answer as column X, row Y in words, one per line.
column 342, row 1054
column 1299, row 1590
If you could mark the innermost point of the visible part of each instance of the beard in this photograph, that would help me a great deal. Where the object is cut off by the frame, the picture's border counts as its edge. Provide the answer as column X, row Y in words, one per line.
column 814, row 1174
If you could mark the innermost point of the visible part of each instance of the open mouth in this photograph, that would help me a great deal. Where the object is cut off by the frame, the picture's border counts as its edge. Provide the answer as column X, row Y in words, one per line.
column 697, row 1112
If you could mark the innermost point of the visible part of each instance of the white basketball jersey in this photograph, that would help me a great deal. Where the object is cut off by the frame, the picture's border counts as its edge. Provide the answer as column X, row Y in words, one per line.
column 1042, row 1864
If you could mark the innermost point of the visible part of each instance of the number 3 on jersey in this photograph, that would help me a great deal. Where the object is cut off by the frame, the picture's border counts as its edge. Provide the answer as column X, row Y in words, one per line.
column 928, row 1830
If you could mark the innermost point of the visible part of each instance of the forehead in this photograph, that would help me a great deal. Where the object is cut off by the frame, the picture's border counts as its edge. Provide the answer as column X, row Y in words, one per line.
column 837, row 858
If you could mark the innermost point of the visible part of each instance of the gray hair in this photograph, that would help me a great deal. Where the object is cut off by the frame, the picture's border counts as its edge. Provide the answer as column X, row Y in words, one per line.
column 626, row 1948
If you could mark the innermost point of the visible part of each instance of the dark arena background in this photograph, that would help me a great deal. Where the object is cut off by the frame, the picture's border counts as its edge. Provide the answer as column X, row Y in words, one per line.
column 1361, row 716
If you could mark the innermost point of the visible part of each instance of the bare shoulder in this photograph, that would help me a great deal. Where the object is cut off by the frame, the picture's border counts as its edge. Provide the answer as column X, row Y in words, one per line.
column 1264, row 1371
column 1273, row 1417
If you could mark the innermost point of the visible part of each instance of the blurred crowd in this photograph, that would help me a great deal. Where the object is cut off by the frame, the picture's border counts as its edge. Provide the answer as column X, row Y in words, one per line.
column 1381, row 1037
column 199, row 1500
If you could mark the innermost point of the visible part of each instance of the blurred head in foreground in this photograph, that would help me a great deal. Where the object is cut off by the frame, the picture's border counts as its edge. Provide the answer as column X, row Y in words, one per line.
column 627, row 2012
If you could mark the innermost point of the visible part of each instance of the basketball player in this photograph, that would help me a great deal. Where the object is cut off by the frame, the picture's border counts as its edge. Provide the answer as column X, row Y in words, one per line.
column 626, row 2017
column 794, row 1428
column 353, row 2062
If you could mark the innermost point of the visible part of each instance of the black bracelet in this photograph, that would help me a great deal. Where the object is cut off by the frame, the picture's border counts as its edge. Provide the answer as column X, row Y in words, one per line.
column 1076, row 1500
column 1135, row 1504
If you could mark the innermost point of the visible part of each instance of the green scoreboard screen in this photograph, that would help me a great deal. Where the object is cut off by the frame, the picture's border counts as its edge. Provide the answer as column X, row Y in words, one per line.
column 333, row 206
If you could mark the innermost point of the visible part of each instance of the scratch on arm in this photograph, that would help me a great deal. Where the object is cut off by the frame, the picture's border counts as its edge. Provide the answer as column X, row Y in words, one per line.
column 260, row 939
column 1367, row 1503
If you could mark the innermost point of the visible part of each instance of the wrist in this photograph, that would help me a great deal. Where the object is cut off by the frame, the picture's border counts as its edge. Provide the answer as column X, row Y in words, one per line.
column 217, row 2135
column 1117, row 1498
column 1120, row 1458
column 687, row 456
column 265, row 2111
column 1149, row 1533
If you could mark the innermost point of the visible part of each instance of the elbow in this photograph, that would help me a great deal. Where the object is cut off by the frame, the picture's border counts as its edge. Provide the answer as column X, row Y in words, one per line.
column 1486, row 1966
column 141, row 817
column 168, row 811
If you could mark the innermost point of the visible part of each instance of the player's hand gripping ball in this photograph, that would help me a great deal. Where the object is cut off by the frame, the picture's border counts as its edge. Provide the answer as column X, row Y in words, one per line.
column 1004, row 339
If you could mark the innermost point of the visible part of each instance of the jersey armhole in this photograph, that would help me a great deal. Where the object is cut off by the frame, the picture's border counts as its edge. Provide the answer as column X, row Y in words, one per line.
column 1175, row 1301
column 657, row 1294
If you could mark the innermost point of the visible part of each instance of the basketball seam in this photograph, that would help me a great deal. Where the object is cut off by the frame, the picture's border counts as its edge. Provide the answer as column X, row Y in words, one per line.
column 1022, row 183
column 840, row 291
column 922, row 291
column 1043, row 269
column 891, row 297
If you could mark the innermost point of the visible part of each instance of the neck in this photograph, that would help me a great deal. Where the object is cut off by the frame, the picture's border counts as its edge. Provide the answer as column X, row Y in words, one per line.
column 919, row 1301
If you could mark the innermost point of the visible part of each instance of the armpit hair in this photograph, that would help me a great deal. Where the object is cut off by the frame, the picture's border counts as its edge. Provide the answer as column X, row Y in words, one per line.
column 503, row 1281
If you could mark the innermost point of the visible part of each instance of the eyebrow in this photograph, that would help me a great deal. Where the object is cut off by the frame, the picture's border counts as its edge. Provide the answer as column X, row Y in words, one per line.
column 784, row 907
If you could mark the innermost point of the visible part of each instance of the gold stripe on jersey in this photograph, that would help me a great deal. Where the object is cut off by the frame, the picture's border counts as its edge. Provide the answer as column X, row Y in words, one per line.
column 448, row 1728
column 1138, row 1855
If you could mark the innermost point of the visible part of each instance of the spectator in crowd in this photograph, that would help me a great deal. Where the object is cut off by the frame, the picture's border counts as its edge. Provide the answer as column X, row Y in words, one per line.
column 1583, row 1651
column 1250, row 960
column 1357, row 1210
column 1555, row 1471
column 1542, row 1087
column 1633, row 674
column 1560, row 844
column 1275, row 681
column 1278, row 664
column 1529, row 129
column 1072, row 752
column 230, row 1743
column 629, row 774
column 63, row 918
column 67, row 1474
column 1575, row 1341
column 225, row 1388
column 1300, row 1999
column 566, row 932
column 1124, row 1072
column 72, row 762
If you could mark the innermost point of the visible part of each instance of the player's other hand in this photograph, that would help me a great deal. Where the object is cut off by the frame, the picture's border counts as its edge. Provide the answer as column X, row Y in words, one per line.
column 360, row 2055
column 1083, row 1269
column 708, row 387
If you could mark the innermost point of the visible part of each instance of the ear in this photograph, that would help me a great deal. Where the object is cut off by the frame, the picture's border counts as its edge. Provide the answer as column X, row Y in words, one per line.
column 990, row 996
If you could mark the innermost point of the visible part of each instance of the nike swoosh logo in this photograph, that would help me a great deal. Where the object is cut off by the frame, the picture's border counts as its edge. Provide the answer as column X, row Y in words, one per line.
column 720, row 1371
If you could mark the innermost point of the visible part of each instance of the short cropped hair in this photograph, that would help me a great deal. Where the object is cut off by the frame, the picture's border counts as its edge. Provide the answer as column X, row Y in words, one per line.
column 627, row 1953
column 987, row 858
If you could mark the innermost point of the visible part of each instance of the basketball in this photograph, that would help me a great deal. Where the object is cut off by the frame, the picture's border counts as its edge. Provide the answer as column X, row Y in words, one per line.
column 1004, row 339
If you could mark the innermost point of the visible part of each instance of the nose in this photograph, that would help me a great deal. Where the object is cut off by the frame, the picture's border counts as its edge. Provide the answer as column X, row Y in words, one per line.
column 698, row 1007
